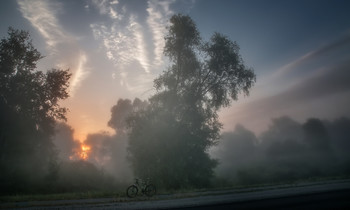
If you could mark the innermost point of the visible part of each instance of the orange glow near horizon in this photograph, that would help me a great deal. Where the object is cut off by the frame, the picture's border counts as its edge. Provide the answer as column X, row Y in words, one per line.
column 80, row 136
column 86, row 120
column 85, row 150
column 81, row 153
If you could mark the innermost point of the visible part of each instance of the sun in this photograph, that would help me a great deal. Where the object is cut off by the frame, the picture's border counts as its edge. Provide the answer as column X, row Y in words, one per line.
column 81, row 153
column 85, row 150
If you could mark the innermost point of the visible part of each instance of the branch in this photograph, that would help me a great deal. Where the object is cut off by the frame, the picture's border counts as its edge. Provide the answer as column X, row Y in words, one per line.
column 215, row 82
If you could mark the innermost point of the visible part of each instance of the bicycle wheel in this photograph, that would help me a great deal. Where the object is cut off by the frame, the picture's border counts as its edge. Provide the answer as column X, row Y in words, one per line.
column 131, row 192
column 150, row 190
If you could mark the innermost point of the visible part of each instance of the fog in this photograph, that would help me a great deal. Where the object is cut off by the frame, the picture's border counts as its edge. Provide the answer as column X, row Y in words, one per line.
column 101, row 158
column 286, row 151
column 64, row 142
column 173, row 138
column 101, row 166
column 110, row 154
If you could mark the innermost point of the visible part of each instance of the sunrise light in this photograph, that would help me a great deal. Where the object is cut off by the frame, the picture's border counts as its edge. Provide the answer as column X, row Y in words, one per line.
column 84, row 153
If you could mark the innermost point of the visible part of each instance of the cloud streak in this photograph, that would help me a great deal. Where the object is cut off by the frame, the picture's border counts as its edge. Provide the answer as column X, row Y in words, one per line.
column 330, row 81
column 64, row 46
column 327, row 50
column 324, row 91
column 158, row 14
column 106, row 7
column 80, row 74
column 323, row 94
column 133, row 42
column 41, row 15
column 137, row 31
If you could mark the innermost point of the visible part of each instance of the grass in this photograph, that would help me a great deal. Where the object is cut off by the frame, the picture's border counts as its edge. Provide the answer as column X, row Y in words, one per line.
column 120, row 196
column 60, row 196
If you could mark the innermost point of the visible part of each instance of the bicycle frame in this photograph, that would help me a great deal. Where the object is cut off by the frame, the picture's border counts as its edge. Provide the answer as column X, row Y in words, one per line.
column 141, row 185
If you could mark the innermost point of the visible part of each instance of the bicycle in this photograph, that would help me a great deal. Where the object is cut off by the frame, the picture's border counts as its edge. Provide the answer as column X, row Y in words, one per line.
column 145, row 186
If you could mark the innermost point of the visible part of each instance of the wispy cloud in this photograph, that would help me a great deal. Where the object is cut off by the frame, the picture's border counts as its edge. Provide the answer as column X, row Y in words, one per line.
column 124, row 42
column 118, row 42
column 325, row 93
column 327, row 50
column 80, row 74
column 142, row 54
column 313, row 62
column 131, row 40
column 107, row 7
column 322, row 91
column 158, row 16
column 42, row 15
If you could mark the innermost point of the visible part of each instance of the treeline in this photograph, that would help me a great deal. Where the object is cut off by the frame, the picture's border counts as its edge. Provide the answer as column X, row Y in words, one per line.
column 29, row 110
column 169, row 138
column 166, row 138
column 287, row 151
column 35, row 146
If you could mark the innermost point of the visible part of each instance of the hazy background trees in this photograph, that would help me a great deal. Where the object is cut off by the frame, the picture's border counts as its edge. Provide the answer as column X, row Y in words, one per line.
column 287, row 151
column 66, row 145
column 109, row 152
column 168, row 141
column 89, row 170
column 174, row 138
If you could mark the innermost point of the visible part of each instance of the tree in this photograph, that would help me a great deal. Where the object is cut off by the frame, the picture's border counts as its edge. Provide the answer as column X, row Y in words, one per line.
column 122, row 110
column 169, row 140
column 29, row 109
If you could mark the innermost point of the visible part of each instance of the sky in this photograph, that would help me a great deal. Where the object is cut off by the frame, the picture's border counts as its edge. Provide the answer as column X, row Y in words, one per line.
column 299, row 50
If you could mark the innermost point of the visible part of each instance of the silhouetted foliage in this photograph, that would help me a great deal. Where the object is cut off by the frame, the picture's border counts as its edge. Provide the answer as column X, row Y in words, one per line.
column 122, row 110
column 64, row 141
column 28, row 111
column 105, row 167
column 168, row 140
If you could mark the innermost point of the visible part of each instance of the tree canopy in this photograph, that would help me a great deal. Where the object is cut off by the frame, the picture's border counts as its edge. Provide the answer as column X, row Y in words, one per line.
column 29, row 109
column 122, row 110
column 169, row 140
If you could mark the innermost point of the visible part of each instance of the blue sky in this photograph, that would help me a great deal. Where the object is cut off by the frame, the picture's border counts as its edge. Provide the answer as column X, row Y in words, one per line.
column 300, row 51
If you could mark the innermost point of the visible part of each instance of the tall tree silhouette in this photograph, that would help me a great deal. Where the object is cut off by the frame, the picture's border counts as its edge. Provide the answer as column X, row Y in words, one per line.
column 28, row 108
column 169, row 140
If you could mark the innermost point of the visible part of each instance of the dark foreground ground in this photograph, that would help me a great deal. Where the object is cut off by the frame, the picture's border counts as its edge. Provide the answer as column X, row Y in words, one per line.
column 330, row 195
column 328, row 200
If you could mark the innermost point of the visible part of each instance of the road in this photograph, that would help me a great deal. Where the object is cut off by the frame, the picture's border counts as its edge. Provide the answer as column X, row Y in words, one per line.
column 328, row 200
column 331, row 195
